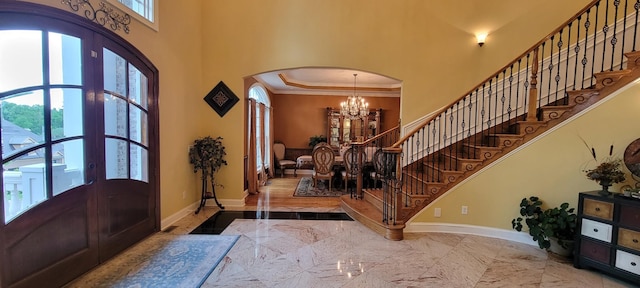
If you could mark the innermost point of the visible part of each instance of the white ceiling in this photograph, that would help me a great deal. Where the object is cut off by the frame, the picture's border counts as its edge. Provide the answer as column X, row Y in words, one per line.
column 329, row 81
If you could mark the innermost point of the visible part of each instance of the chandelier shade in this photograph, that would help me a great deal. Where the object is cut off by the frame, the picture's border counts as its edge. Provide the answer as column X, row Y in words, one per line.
column 355, row 107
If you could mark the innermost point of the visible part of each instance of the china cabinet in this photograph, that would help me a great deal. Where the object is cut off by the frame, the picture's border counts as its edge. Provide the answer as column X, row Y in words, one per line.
column 342, row 130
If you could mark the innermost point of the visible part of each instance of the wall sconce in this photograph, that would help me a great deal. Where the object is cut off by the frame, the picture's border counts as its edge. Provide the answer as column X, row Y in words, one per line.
column 481, row 38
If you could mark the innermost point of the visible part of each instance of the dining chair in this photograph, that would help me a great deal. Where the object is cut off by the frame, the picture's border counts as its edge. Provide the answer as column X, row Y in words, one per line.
column 323, row 159
column 378, row 168
column 279, row 152
column 350, row 159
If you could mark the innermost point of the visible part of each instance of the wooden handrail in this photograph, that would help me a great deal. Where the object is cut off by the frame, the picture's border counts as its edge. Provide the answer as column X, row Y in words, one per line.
column 534, row 47
column 380, row 135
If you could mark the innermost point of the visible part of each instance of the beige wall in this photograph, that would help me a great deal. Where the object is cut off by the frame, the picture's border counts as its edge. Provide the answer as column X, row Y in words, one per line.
column 298, row 117
column 428, row 45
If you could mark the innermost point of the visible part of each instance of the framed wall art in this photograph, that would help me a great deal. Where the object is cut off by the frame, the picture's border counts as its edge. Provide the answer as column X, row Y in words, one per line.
column 221, row 99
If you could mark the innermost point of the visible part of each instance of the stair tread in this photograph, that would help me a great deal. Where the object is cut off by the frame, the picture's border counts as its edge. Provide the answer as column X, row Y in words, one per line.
column 482, row 147
column 441, row 169
column 448, row 154
column 507, row 135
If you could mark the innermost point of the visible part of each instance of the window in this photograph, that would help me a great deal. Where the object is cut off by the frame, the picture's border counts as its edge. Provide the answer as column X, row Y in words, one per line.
column 42, row 117
column 144, row 10
column 258, row 93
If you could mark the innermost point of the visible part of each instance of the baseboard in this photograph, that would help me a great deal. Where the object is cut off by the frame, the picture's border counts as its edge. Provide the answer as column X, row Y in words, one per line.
column 236, row 203
column 515, row 236
column 166, row 222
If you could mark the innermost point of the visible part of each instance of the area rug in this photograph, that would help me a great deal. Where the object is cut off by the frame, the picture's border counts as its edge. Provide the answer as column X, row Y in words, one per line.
column 305, row 189
column 162, row 260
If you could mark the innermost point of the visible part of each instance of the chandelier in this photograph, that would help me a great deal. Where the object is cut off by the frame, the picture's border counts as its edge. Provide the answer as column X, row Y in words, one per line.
column 354, row 107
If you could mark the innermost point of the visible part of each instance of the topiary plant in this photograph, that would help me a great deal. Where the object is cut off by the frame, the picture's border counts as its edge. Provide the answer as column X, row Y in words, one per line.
column 207, row 155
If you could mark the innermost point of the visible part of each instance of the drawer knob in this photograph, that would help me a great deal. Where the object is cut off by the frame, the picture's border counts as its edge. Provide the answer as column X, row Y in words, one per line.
column 595, row 230
column 598, row 209
column 633, row 263
column 635, row 240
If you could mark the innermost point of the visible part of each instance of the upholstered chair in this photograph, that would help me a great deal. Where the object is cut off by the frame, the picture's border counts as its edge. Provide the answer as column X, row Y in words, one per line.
column 323, row 159
column 278, row 152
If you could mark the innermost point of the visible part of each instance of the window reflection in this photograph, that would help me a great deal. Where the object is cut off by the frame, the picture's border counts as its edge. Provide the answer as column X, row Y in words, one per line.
column 24, row 183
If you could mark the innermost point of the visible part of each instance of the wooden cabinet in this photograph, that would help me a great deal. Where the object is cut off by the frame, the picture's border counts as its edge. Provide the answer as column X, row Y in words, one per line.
column 609, row 235
column 342, row 130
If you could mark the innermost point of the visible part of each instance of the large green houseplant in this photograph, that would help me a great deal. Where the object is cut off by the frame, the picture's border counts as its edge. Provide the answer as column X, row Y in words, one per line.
column 553, row 224
column 207, row 156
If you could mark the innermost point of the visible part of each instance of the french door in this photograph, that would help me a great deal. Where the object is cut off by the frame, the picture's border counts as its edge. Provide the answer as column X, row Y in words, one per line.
column 79, row 146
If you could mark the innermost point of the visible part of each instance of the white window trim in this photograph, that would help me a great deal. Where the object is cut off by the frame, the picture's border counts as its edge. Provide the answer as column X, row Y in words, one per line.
column 155, row 25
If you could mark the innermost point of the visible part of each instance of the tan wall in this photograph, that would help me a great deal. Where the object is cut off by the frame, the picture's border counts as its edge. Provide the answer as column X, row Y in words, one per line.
column 298, row 117
column 428, row 45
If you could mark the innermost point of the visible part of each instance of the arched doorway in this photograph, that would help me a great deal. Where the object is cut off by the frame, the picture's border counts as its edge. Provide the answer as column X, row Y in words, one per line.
column 299, row 98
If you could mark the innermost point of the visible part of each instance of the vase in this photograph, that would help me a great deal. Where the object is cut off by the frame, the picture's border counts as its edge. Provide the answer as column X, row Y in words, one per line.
column 605, row 187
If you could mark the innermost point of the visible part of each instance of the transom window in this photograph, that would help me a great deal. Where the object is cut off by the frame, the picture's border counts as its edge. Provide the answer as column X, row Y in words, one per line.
column 144, row 10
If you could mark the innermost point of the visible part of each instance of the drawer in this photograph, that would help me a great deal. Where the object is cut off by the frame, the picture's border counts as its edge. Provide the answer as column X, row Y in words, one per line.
column 629, row 238
column 628, row 262
column 599, row 209
column 630, row 216
column 595, row 251
column 597, row 230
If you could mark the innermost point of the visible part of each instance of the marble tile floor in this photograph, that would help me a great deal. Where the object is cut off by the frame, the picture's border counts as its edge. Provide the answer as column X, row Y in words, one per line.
column 335, row 253
column 316, row 253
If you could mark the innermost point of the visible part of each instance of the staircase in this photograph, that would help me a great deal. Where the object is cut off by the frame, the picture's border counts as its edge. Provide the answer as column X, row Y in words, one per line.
column 557, row 78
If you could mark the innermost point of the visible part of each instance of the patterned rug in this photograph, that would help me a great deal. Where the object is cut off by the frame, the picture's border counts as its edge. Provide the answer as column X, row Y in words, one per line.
column 162, row 260
column 305, row 189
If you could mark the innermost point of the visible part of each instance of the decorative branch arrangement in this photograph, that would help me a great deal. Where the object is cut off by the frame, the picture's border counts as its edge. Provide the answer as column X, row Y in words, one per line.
column 607, row 172
column 104, row 15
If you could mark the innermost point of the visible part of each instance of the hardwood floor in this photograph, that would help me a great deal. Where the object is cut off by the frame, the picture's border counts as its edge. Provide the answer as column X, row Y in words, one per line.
column 278, row 195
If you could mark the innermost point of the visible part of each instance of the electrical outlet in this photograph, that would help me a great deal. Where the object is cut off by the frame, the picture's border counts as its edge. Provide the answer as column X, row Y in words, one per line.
column 437, row 212
column 465, row 210
column 184, row 194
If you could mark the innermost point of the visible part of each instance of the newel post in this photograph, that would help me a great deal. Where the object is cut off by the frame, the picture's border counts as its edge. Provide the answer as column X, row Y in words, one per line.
column 533, row 90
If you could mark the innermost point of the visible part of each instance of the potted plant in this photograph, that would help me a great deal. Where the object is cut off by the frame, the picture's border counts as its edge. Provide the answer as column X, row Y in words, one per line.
column 607, row 173
column 313, row 140
column 207, row 156
column 548, row 227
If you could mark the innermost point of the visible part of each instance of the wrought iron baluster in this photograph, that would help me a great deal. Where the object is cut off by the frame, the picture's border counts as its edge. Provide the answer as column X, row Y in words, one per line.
column 526, row 89
column 566, row 67
column 576, row 50
column 635, row 25
column 509, row 108
column 614, row 37
column 605, row 29
column 593, row 53
column 550, row 68
column 495, row 108
column 541, row 75
column 557, row 79
column 518, row 89
column 624, row 32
